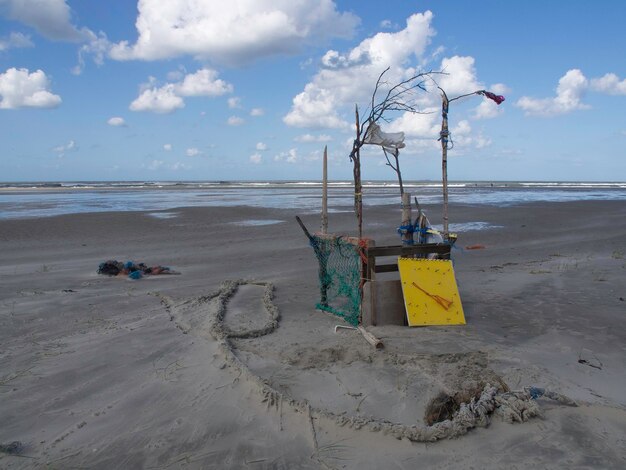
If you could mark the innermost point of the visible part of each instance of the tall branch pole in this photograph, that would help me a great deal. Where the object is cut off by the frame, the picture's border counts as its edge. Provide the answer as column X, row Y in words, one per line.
column 444, row 136
column 444, row 159
column 358, row 196
column 325, row 192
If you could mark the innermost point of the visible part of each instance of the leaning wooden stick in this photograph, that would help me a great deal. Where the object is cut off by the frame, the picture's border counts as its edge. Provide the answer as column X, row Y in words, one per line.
column 304, row 229
column 325, row 192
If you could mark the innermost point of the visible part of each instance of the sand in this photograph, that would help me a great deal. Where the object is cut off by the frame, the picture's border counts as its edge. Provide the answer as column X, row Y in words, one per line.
column 100, row 372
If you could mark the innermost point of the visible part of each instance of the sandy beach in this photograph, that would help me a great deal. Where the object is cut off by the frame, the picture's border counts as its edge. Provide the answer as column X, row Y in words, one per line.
column 106, row 372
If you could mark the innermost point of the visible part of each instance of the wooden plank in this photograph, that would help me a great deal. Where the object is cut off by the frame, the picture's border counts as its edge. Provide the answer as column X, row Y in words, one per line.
column 367, row 274
column 369, row 277
column 424, row 248
column 409, row 250
column 386, row 268
column 352, row 240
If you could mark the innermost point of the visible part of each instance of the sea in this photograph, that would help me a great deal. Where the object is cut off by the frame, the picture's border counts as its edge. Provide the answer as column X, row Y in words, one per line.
column 47, row 199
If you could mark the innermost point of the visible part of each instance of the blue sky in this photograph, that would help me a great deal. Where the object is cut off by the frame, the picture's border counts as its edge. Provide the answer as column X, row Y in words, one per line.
column 254, row 89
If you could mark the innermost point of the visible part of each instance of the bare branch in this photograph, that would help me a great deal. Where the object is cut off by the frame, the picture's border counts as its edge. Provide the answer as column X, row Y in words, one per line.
column 465, row 95
column 398, row 98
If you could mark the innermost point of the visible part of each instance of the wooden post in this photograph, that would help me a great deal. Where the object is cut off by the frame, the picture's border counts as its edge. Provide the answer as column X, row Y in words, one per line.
column 358, row 196
column 443, row 136
column 325, row 192
column 407, row 235
column 371, row 278
column 420, row 223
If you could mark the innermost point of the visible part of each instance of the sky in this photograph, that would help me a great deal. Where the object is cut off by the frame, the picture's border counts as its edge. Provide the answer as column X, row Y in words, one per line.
column 178, row 90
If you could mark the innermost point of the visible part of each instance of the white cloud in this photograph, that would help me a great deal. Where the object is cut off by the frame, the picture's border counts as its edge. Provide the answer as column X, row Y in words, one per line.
column 234, row 32
column 464, row 137
column 348, row 78
column 179, row 166
column 419, row 126
column 499, row 89
column 314, row 156
column 481, row 141
column 313, row 138
column 569, row 93
column 15, row 41
column 176, row 75
column 21, row 89
column 155, row 165
column 116, row 122
column 158, row 100
column 235, row 121
column 167, row 147
column 192, row 152
column 169, row 97
column 609, row 84
column 488, row 109
column 50, row 18
column 97, row 47
column 462, row 129
column 61, row 150
column 261, row 146
column 461, row 76
column 291, row 156
column 315, row 107
column 256, row 158
column 257, row 112
column 203, row 83
column 422, row 132
column 234, row 102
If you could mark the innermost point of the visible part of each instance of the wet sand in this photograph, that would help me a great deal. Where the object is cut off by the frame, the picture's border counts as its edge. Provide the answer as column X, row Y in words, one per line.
column 100, row 372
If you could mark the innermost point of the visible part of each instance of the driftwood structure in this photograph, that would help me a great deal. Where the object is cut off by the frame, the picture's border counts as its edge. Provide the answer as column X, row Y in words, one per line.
column 399, row 98
column 347, row 263
column 373, row 267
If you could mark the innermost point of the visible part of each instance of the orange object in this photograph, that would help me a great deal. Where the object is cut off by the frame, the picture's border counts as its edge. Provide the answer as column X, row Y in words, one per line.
column 475, row 247
column 445, row 303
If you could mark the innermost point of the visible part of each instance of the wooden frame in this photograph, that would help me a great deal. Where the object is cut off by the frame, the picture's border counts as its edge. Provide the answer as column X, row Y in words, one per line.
column 407, row 251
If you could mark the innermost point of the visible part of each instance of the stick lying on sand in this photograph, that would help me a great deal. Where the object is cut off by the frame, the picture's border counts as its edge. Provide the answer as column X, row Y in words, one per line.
column 369, row 337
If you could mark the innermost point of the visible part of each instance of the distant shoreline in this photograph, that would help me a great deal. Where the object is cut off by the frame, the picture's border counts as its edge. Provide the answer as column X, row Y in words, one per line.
column 46, row 201
column 181, row 185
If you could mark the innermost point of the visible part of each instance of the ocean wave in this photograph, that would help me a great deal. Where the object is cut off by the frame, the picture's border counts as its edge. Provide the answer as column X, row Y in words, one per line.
column 41, row 199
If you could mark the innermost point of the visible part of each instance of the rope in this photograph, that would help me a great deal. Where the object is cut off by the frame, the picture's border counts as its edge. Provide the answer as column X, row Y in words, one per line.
column 445, row 137
column 516, row 406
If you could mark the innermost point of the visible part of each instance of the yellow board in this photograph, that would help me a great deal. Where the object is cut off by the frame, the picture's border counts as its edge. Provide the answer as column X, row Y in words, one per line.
column 431, row 296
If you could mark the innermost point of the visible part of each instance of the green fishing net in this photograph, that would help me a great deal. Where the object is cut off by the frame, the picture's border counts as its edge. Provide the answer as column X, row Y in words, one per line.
column 340, row 277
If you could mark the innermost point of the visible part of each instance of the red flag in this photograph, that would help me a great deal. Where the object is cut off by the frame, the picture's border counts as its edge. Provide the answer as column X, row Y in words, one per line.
column 492, row 96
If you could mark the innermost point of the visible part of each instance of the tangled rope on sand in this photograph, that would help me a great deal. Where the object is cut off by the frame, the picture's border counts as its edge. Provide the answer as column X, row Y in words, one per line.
column 516, row 406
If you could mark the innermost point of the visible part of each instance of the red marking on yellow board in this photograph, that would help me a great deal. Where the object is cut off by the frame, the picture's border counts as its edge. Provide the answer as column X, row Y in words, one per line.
column 445, row 303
